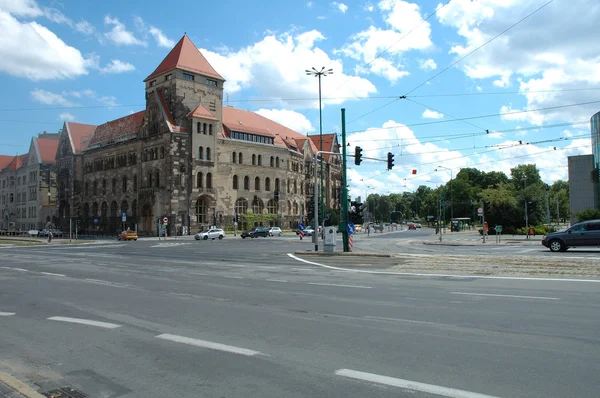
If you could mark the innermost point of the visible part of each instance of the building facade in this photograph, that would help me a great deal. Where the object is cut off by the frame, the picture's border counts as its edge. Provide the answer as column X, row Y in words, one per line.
column 190, row 160
column 28, row 186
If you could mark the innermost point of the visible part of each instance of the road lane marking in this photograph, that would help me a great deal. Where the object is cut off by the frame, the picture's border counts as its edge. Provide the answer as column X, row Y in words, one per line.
column 89, row 322
column 409, row 385
column 382, row 318
column 518, row 278
column 21, row 269
column 505, row 295
column 6, row 313
column 52, row 274
column 208, row 344
column 276, row 280
column 233, row 277
column 337, row 285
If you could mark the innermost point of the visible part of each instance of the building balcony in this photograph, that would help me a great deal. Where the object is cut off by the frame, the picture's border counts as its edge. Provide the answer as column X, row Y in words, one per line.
column 207, row 163
column 206, row 190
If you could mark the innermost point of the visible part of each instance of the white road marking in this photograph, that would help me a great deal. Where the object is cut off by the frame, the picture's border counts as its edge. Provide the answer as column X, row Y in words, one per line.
column 233, row 277
column 336, row 285
column 52, row 274
column 208, row 344
column 382, row 318
column 89, row 322
column 409, row 385
column 519, row 278
column 505, row 295
column 21, row 269
column 6, row 313
column 276, row 280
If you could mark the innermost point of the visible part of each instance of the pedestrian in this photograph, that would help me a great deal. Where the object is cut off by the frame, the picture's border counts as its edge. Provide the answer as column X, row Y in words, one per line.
column 50, row 236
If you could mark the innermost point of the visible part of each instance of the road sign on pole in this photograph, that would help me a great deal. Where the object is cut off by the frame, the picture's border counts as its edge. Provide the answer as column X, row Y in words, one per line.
column 165, row 220
column 480, row 211
column 350, row 228
column 124, row 216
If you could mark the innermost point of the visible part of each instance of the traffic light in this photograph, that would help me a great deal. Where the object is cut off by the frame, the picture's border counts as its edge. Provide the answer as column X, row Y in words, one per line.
column 357, row 155
column 486, row 206
column 531, row 207
column 390, row 161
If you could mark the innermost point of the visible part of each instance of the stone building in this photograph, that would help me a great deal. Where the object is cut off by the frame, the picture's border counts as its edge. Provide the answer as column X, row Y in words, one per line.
column 28, row 186
column 189, row 159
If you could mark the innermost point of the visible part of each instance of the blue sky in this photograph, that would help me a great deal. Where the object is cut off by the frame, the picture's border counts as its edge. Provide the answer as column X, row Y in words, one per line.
column 86, row 61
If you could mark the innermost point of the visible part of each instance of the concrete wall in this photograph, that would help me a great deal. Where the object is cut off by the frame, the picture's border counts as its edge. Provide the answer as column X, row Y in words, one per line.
column 582, row 191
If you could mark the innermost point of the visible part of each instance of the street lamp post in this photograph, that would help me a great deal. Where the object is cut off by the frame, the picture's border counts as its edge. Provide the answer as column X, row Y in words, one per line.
column 366, row 201
column 524, row 179
column 451, row 196
column 318, row 74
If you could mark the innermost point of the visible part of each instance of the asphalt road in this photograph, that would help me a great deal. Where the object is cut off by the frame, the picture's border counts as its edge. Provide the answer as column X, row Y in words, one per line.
column 237, row 318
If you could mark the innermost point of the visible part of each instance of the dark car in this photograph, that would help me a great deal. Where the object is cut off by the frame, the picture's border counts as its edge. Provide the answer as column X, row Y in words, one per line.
column 256, row 232
column 586, row 233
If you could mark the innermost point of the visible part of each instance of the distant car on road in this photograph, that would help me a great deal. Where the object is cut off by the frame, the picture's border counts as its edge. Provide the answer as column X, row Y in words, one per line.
column 275, row 231
column 127, row 235
column 586, row 233
column 256, row 232
column 412, row 225
column 213, row 233
column 418, row 225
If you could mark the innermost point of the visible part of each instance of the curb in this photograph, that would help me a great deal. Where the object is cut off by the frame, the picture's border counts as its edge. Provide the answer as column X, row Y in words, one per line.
column 347, row 254
column 19, row 386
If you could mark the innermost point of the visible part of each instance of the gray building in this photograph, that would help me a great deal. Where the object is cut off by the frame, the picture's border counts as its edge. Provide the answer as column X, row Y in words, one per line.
column 582, row 191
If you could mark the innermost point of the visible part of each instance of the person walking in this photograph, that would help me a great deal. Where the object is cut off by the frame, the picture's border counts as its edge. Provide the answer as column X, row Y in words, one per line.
column 50, row 236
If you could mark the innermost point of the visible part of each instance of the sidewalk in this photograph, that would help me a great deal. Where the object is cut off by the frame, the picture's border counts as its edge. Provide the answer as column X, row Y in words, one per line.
column 471, row 238
column 11, row 387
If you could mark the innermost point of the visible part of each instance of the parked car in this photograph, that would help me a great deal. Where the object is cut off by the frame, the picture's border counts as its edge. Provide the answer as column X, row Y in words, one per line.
column 275, row 231
column 418, row 225
column 256, row 232
column 412, row 225
column 586, row 233
column 128, row 235
column 212, row 233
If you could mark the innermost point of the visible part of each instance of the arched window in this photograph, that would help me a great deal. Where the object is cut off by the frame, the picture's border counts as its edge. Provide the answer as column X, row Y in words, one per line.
column 240, row 158
column 162, row 152
column 295, row 208
column 235, row 182
column 124, row 206
column 200, row 153
column 288, row 186
column 157, row 179
column 104, row 210
column 302, row 189
column 272, row 207
column 247, row 183
column 86, row 189
column 198, row 125
column 253, row 160
column 104, row 187
column 241, row 206
column 208, row 180
column 295, row 186
column 234, row 157
column 114, row 186
column 149, row 177
column 260, row 160
column 277, row 184
column 201, row 211
column 204, row 129
column 207, row 153
column 95, row 209
column 267, row 184
column 257, row 184
column 199, row 178
column 135, row 185
column 257, row 206
column 114, row 208
column 277, row 162
column 210, row 129
column 124, row 185
column 272, row 161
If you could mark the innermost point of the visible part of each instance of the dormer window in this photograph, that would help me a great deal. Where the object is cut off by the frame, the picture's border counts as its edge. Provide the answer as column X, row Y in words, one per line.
column 211, row 82
column 187, row 76
column 153, row 83
column 169, row 76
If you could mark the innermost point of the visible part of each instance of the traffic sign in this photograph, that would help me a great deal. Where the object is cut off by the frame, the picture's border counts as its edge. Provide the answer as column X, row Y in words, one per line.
column 480, row 211
column 499, row 228
column 350, row 228
column 124, row 216
column 165, row 220
column 301, row 227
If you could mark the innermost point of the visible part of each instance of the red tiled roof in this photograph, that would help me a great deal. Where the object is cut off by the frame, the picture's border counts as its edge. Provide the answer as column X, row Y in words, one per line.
column 80, row 134
column 185, row 55
column 17, row 161
column 249, row 122
column 117, row 130
column 47, row 148
column 328, row 140
column 5, row 160
column 201, row 111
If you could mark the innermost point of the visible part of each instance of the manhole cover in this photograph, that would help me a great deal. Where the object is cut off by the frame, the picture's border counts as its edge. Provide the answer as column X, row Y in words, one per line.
column 65, row 392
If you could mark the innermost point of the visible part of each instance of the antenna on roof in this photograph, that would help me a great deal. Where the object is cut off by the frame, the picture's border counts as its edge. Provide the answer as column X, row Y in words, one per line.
column 226, row 99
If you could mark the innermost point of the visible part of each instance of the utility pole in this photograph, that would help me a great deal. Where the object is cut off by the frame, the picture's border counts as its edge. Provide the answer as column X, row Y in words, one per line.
column 548, row 206
column 344, row 186
column 526, row 215
column 483, row 219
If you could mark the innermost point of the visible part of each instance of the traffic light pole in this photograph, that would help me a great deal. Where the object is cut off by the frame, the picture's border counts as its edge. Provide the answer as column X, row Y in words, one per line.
column 316, row 195
column 483, row 220
column 344, row 198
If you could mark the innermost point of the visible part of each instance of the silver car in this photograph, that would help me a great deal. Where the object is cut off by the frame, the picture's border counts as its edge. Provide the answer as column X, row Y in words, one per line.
column 275, row 231
column 213, row 233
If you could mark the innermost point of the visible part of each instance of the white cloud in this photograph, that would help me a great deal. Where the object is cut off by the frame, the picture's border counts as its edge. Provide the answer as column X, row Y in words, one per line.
column 117, row 66
column 291, row 119
column 391, row 42
column 309, row 4
column 21, row 8
column 429, row 114
column 275, row 68
column 85, row 27
column 551, row 50
column 340, row 6
column 119, row 33
column 427, row 64
column 49, row 98
column 161, row 39
column 321, row 17
column 66, row 116
column 369, row 7
column 510, row 114
column 31, row 50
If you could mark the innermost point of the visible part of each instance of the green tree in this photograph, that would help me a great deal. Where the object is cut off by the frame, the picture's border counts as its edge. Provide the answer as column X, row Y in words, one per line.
column 588, row 214
column 503, row 207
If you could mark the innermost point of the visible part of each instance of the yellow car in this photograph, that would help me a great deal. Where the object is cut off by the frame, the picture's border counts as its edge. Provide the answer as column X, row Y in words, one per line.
column 128, row 235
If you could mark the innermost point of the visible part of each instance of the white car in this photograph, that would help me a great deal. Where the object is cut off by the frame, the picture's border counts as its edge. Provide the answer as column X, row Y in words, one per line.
column 275, row 231
column 212, row 233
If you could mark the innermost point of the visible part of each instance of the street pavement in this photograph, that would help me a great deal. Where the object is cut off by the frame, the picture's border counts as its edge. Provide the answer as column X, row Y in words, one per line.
column 233, row 318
